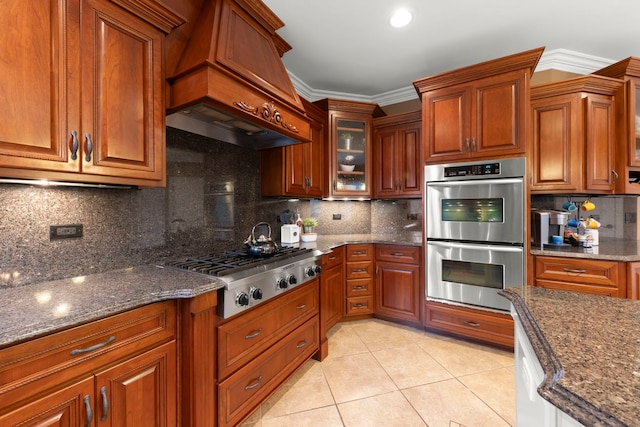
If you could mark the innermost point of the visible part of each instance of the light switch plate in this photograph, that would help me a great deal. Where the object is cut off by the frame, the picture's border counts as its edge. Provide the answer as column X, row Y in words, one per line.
column 69, row 231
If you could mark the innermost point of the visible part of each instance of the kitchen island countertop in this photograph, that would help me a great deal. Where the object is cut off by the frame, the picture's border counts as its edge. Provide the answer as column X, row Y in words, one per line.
column 589, row 349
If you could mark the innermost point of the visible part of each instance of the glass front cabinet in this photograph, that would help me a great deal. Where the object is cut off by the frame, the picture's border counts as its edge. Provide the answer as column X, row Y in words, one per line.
column 350, row 152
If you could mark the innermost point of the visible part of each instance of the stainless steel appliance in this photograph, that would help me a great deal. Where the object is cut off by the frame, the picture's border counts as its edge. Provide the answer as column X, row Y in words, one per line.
column 474, row 224
column 250, row 281
column 547, row 223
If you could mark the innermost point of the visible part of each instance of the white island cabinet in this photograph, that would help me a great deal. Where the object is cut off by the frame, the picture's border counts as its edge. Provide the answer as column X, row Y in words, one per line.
column 532, row 410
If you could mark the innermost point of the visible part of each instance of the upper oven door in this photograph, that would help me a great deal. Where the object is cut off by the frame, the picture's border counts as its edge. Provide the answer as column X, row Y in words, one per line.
column 483, row 210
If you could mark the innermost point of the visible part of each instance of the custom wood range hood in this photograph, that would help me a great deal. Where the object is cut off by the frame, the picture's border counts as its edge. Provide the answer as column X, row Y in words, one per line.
column 230, row 83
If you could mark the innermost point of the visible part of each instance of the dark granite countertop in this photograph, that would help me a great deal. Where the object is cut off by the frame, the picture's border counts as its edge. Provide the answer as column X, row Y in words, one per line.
column 625, row 250
column 36, row 310
column 589, row 349
column 326, row 242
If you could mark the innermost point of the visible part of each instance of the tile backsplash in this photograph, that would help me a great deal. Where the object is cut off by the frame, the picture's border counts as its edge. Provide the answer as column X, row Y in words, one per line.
column 211, row 202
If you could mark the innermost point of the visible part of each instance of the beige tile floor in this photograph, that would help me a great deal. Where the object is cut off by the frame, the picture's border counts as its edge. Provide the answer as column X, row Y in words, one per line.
column 382, row 374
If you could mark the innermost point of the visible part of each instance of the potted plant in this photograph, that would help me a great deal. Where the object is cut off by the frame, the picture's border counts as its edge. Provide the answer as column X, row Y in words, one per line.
column 347, row 164
column 347, row 137
column 309, row 224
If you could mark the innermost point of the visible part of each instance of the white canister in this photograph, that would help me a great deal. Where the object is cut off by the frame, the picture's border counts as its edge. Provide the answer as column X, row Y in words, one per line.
column 593, row 232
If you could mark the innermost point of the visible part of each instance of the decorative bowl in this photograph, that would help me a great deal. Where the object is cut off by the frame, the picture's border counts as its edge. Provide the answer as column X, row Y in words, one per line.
column 347, row 168
column 309, row 237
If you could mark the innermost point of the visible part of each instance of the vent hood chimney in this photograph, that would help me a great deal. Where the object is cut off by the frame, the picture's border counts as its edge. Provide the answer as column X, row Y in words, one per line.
column 230, row 83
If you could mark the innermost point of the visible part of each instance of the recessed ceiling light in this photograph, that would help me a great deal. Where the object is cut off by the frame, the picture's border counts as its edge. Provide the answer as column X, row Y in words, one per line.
column 401, row 18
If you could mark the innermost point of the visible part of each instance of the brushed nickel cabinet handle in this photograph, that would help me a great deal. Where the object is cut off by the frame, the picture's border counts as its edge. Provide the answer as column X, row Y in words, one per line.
column 359, row 270
column 105, row 404
column 569, row 270
column 74, row 145
column 358, row 287
column 359, row 305
column 473, row 144
column 397, row 253
column 301, row 306
column 467, row 143
column 89, row 147
column 332, row 258
column 358, row 252
column 254, row 385
column 77, row 351
column 302, row 344
column 615, row 176
column 472, row 324
column 253, row 335
column 87, row 408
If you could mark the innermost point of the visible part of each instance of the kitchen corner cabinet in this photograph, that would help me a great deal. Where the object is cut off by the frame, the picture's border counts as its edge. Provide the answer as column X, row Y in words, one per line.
column 628, row 123
column 359, row 274
column 349, row 154
column 574, row 135
column 95, row 373
column 297, row 170
column 398, row 284
column 479, row 111
column 332, row 295
column 83, row 92
column 397, row 156
column 589, row 276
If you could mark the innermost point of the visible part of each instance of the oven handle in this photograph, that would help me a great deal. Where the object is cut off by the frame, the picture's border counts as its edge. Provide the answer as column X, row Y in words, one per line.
column 474, row 182
column 456, row 245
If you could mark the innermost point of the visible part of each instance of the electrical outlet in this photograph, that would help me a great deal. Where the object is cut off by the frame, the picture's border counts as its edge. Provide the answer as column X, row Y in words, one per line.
column 69, row 231
column 337, row 216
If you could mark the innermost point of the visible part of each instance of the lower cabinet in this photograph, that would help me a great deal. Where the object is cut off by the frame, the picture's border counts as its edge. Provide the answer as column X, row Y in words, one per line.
column 599, row 277
column 398, row 282
column 119, row 371
column 332, row 295
column 480, row 325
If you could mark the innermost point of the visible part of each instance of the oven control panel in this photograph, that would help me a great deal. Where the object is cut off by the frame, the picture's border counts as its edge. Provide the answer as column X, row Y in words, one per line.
column 472, row 169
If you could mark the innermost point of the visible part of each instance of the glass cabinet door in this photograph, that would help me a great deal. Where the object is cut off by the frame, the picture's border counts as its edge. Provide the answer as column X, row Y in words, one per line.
column 351, row 156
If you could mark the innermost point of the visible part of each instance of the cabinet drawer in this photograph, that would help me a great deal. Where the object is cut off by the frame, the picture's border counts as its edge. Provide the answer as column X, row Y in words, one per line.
column 359, row 287
column 360, row 305
column 401, row 254
column 335, row 257
column 243, row 391
column 359, row 270
column 102, row 341
column 242, row 339
column 482, row 325
column 580, row 275
column 362, row 252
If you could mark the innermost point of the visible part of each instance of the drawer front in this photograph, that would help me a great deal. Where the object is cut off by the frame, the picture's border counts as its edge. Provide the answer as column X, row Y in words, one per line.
column 243, row 391
column 483, row 325
column 363, row 252
column 360, row 288
column 401, row 254
column 581, row 271
column 335, row 257
column 102, row 341
column 242, row 339
column 359, row 270
column 360, row 305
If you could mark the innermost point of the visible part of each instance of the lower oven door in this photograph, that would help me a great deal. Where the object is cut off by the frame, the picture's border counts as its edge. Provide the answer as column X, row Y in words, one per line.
column 472, row 274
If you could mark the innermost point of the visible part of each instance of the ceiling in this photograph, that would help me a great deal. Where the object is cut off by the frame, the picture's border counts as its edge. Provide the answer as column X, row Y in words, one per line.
column 346, row 48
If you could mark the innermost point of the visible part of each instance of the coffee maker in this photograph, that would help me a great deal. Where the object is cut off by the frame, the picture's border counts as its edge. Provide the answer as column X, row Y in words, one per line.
column 547, row 223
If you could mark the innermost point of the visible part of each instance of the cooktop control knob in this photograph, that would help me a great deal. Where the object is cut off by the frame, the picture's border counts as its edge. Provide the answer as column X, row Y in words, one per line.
column 282, row 283
column 242, row 299
column 309, row 272
column 291, row 279
column 317, row 269
column 256, row 293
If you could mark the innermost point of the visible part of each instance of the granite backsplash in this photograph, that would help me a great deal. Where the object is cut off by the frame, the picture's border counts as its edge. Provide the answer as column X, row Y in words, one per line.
column 211, row 202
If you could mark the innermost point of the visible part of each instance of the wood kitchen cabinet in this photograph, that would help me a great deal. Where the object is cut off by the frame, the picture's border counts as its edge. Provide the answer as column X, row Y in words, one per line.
column 397, row 156
column 349, row 152
column 398, row 282
column 83, row 92
column 118, row 371
column 479, row 111
column 332, row 295
column 589, row 276
column 359, row 274
column 627, row 123
column 574, row 135
column 297, row 170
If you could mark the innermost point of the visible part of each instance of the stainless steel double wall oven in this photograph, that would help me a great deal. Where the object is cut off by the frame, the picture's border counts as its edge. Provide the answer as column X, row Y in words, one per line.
column 474, row 224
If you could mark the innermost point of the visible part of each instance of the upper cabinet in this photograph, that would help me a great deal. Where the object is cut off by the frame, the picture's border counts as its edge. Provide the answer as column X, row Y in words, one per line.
column 83, row 91
column 397, row 156
column 350, row 147
column 479, row 111
column 627, row 123
column 574, row 135
column 297, row 170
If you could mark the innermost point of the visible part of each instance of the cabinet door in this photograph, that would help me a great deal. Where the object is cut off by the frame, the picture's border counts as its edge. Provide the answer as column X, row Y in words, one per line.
column 71, row 406
column 351, row 163
column 446, row 123
column 314, row 165
column 409, row 160
column 386, row 182
column 141, row 391
column 332, row 297
column 600, row 174
column 557, row 152
column 122, row 93
column 39, row 84
column 398, row 291
column 295, row 177
column 499, row 115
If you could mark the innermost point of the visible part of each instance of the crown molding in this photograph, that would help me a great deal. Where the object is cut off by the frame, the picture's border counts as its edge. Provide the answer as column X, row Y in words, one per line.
column 557, row 59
